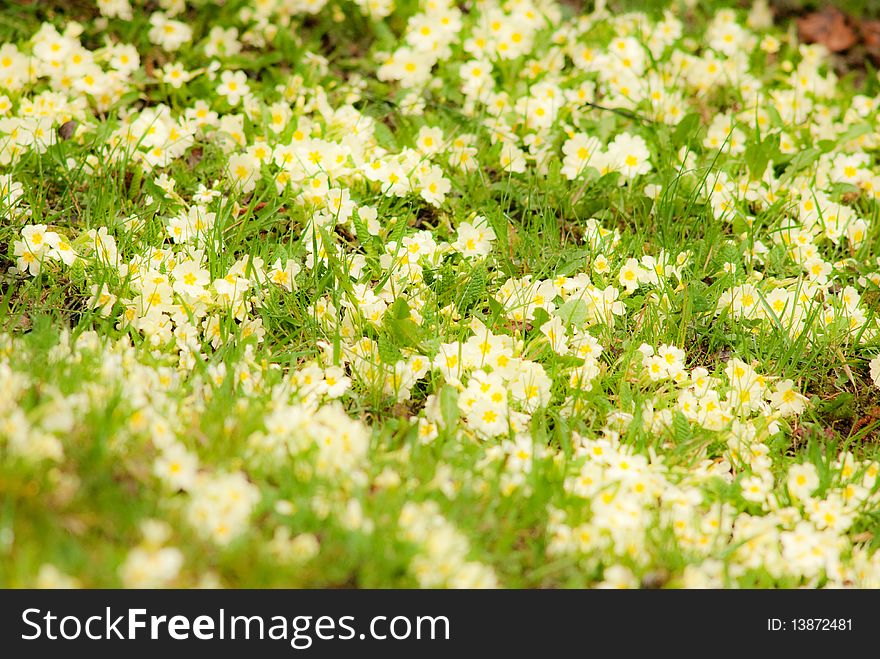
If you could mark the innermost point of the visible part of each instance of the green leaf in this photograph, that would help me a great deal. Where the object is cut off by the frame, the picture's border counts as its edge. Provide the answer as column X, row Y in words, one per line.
column 759, row 154
column 476, row 286
column 540, row 316
column 801, row 160
column 398, row 230
column 399, row 309
column 775, row 117
column 449, row 406
column 574, row 262
column 854, row 132
column 388, row 352
column 400, row 327
column 681, row 428
column 360, row 229
column 496, row 309
column 687, row 129
column 839, row 407
column 443, row 284
column 625, row 395
column 384, row 136
column 574, row 312
column 843, row 188
column 699, row 296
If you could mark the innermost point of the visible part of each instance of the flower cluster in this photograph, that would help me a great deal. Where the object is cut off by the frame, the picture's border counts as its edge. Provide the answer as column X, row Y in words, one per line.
column 436, row 296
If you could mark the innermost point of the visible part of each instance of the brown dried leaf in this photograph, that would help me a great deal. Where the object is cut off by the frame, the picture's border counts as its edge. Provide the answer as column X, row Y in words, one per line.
column 195, row 157
column 871, row 36
column 67, row 129
column 259, row 206
column 829, row 27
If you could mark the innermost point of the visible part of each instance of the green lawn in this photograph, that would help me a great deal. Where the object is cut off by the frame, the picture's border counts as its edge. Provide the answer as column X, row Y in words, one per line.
column 367, row 294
